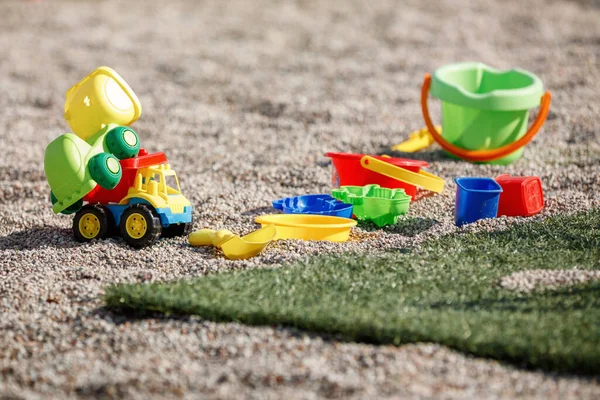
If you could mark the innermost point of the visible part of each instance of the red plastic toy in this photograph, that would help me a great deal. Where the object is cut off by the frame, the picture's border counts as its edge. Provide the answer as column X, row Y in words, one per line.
column 522, row 196
column 348, row 171
column 130, row 166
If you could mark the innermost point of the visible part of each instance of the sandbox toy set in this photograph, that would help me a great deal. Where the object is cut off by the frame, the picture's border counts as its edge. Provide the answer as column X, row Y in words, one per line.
column 101, row 173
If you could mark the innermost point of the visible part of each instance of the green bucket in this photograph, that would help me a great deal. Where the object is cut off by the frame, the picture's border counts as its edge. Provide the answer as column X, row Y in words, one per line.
column 484, row 110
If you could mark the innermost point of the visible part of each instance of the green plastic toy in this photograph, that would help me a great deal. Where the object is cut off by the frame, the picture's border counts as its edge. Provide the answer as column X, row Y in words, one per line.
column 373, row 203
column 485, row 111
column 98, row 109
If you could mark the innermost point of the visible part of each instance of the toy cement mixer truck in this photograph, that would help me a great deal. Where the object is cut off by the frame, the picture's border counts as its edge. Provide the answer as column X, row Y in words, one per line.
column 99, row 172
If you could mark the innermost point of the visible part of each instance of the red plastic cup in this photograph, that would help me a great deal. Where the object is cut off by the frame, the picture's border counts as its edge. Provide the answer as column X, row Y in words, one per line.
column 522, row 196
column 347, row 171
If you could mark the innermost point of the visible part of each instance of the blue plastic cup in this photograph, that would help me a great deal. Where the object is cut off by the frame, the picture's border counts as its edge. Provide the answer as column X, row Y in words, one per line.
column 476, row 198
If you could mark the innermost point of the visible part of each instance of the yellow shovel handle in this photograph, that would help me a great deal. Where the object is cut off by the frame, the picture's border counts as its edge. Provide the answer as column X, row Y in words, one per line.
column 210, row 237
column 421, row 179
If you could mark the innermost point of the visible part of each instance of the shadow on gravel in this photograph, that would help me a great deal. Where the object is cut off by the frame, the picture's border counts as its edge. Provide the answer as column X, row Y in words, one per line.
column 127, row 316
column 409, row 227
column 36, row 237
column 429, row 156
column 260, row 211
column 566, row 299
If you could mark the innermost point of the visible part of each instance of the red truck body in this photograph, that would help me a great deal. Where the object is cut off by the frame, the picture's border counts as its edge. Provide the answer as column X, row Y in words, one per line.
column 129, row 166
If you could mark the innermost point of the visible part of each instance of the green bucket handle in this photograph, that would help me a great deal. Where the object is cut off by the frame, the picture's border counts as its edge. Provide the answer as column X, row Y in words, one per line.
column 483, row 155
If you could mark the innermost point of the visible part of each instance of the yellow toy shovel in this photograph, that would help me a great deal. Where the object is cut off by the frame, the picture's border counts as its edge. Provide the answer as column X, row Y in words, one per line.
column 417, row 140
column 233, row 246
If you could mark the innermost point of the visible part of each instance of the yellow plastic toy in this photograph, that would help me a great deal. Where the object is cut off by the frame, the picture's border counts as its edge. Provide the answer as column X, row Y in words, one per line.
column 99, row 99
column 309, row 227
column 233, row 246
column 422, row 179
column 157, row 185
column 417, row 141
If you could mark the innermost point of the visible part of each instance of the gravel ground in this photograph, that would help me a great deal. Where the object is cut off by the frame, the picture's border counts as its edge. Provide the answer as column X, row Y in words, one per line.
column 244, row 98
column 542, row 279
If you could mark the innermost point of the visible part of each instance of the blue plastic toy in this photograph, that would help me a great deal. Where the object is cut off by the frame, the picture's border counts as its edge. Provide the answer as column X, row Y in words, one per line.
column 319, row 204
column 476, row 198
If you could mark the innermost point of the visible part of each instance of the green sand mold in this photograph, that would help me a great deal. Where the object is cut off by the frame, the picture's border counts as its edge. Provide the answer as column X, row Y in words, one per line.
column 484, row 108
column 373, row 203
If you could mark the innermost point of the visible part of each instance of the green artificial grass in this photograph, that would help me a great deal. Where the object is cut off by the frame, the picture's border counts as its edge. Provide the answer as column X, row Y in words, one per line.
column 444, row 292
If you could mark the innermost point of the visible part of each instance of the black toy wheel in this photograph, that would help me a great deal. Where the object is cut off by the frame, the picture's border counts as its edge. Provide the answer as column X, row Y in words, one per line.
column 105, row 170
column 73, row 208
column 177, row 230
column 92, row 222
column 123, row 142
column 140, row 225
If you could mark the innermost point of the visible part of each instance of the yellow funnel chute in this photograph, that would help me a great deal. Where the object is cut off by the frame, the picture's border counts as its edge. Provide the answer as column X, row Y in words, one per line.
column 100, row 98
